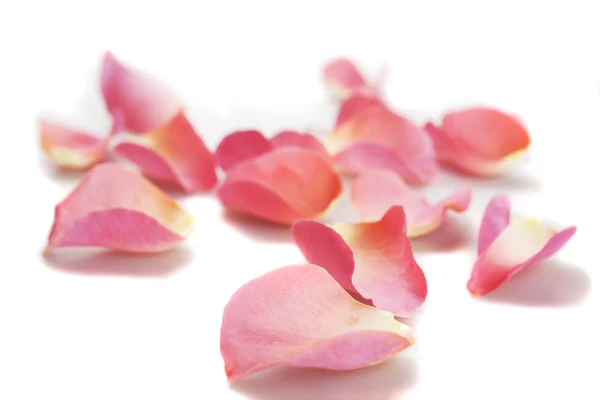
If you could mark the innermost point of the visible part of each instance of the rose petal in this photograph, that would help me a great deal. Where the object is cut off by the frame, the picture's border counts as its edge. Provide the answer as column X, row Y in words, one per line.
column 370, row 131
column 143, row 103
column 240, row 146
column 119, row 209
column 508, row 243
column 373, row 261
column 344, row 79
column 301, row 140
column 172, row 153
column 299, row 316
column 479, row 141
column 374, row 192
column 282, row 186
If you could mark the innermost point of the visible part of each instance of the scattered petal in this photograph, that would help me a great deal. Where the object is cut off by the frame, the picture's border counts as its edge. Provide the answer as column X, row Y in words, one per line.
column 508, row 243
column 299, row 316
column 172, row 153
column 301, row 140
column 118, row 209
column 374, row 192
column 479, row 141
column 344, row 79
column 373, row 261
column 372, row 136
column 240, row 146
column 143, row 103
column 282, row 186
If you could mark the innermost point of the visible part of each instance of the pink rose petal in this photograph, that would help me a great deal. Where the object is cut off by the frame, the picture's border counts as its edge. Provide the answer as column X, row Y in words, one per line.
column 509, row 243
column 115, row 208
column 300, row 140
column 240, row 146
column 299, row 316
column 373, row 261
column 344, row 79
column 374, row 192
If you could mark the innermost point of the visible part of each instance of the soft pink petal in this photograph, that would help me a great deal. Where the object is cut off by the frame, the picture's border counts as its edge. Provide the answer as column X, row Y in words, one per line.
column 119, row 209
column 354, row 106
column 240, row 146
column 299, row 316
column 141, row 101
column 373, row 261
column 344, row 79
column 173, row 153
column 374, row 192
column 301, row 140
column 505, row 249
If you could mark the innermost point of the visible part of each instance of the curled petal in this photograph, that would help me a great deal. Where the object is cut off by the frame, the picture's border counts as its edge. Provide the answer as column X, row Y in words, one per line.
column 508, row 243
column 373, row 261
column 115, row 208
column 479, row 141
column 142, row 102
column 71, row 148
column 282, row 186
column 240, row 146
column 301, row 140
column 372, row 131
column 299, row 316
column 374, row 192
column 344, row 79
column 172, row 153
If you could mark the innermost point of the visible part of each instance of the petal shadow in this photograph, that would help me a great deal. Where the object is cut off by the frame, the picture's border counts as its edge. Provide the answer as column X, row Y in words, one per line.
column 257, row 229
column 455, row 233
column 385, row 381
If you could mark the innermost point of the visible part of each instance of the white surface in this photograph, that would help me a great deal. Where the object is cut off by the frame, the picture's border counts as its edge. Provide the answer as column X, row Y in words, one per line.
column 115, row 327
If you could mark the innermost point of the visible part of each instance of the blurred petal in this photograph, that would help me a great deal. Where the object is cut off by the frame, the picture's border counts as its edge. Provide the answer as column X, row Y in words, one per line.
column 507, row 247
column 344, row 79
column 479, row 141
column 240, row 146
column 172, row 153
column 143, row 103
column 301, row 140
column 118, row 209
column 299, row 316
column 282, row 186
column 369, row 131
column 373, row 261
column 374, row 192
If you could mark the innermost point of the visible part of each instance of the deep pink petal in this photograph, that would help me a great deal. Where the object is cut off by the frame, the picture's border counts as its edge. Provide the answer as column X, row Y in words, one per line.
column 240, row 146
column 301, row 140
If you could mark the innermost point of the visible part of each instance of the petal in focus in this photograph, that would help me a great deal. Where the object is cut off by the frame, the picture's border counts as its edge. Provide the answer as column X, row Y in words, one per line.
column 282, row 186
column 299, row 316
column 370, row 136
column 344, row 79
column 172, row 153
column 142, row 102
column 240, row 146
column 115, row 208
column 374, row 192
column 301, row 140
column 508, row 243
column 71, row 148
column 373, row 261
column 479, row 141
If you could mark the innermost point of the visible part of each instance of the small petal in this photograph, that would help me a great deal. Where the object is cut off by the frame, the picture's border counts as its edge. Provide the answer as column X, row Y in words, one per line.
column 344, row 79
column 240, row 146
column 70, row 148
column 373, row 261
column 301, row 140
column 115, row 208
column 172, row 153
column 143, row 103
column 372, row 136
column 299, row 316
column 479, row 141
column 508, row 243
column 374, row 192
column 282, row 186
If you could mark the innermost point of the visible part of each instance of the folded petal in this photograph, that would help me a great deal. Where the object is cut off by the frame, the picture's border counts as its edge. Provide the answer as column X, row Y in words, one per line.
column 70, row 148
column 301, row 140
column 143, row 103
column 240, row 146
column 373, row 261
column 479, row 141
column 374, row 192
column 115, row 208
column 508, row 243
column 299, row 316
column 344, row 79
column 369, row 131
column 172, row 153
column 282, row 186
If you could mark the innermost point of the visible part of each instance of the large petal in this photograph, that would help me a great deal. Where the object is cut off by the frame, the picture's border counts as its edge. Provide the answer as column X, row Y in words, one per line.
column 282, row 186
column 300, row 140
column 173, row 153
column 240, row 146
column 142, row 102
column 115, row 208
column 479, row 141
column 299, row 316
column 507, row 248
column 370, row 131
column 373, row 261
column 374, row 192
column 344, row 79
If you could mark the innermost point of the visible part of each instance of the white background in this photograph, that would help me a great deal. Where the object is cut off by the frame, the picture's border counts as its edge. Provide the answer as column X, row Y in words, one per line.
column 118, row 327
